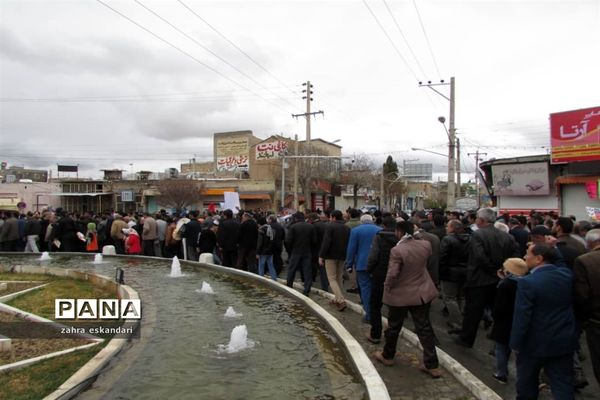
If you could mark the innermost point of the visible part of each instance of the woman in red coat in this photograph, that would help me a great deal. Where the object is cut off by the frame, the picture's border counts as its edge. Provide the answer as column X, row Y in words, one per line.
column 132, row 242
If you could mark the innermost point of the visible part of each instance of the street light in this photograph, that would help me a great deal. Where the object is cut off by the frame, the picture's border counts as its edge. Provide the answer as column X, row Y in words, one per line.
column 429, row 151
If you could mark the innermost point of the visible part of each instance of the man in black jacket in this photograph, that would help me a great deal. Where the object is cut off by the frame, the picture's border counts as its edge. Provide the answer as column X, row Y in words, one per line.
column 191, row 232
column 278, row 242
column 301, row 238
column 227, row 238
column 247, row 239
column 319, row 223
column 333, row 254
column 377, row 265
column 490, row 247
column 454, row 256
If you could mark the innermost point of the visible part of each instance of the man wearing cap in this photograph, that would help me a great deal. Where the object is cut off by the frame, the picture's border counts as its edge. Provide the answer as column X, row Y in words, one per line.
column 543, row 330
column 587, row 295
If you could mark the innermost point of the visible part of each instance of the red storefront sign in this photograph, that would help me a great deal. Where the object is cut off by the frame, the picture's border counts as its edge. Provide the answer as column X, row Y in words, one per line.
column 575, row 135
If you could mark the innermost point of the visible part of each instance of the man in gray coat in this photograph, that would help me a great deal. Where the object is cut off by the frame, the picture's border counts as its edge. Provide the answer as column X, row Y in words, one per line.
column 408, row 288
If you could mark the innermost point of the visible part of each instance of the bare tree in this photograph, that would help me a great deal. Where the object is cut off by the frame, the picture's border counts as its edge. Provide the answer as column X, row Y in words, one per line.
column 360, row 172
column 178, row 193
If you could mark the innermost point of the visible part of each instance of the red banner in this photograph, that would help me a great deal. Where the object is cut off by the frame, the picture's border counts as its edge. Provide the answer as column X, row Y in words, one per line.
column 575, row 135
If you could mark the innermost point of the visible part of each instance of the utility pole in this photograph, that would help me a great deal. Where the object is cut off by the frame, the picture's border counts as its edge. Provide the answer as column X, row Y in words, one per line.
column 458, row 183
column 307, row 115
column 296, row 204
column 451, row 197
column 477, row 159
column 381, row 189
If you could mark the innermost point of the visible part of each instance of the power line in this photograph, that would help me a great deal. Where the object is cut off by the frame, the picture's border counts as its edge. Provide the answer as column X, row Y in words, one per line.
column 210, row 51
column 390, row 40
column 404, row 37
column 186, row 53
column 427, row 39
column 234, row 45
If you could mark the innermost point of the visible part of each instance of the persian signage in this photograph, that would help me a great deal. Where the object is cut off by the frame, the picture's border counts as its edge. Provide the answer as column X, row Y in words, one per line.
column 269, row 150
column 575, row 135
column 232, row 155
column 529, row 179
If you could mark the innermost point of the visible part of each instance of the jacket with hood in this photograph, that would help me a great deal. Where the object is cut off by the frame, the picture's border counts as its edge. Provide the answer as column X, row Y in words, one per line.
column 379, row 256
column 454, row 256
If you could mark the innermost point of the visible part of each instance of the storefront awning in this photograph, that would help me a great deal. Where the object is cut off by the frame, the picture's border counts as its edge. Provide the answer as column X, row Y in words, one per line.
column 215, row 191
column 78, row 194
column 574, row 180
column 255, row 196
column 9, row 204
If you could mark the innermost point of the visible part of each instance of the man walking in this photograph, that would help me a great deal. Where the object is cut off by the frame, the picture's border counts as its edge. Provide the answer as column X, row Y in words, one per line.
column 357, row 255
column 247, row 240
column 149, row 235
column 587, row 295
column 227, row 238
column 377, row 266
column 543, row 331
column 490, row 247
column 408, row 288
column 300, row 239
column 333, row 254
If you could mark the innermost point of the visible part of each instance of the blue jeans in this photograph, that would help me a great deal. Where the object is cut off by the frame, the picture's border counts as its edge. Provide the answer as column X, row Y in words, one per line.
column 502, row 355
column 364, row 284
column 300, row 262
column 266, row 259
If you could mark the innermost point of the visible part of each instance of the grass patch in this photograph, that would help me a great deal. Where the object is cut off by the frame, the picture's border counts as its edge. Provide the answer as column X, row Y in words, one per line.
column 9, row 276
column 41, row 302
column 41, row 379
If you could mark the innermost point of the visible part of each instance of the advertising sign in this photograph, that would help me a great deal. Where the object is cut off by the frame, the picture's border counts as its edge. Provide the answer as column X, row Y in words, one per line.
column 529, row 179
column 269, row 150
column 575, row 135
column 232, row 155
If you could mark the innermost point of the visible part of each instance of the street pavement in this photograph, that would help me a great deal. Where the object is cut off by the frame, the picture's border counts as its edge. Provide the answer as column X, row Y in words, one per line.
column 413, row 384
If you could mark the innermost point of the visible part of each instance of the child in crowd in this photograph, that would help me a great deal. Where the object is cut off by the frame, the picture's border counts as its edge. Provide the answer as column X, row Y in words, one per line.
column 503, row 311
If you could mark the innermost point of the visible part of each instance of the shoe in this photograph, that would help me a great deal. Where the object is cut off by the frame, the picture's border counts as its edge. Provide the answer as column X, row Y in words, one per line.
column 372, row 340
column 579, row 380
column 379, row 357
column 435, row 373
column 352, row 290
column 500, row 378
column 364, row 320
column 458, row 340
column 445, row 312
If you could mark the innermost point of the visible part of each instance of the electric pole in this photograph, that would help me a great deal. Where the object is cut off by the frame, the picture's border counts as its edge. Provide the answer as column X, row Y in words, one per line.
column 307, row 115
column 477, row 159
column 451, row 197
column 458, row 183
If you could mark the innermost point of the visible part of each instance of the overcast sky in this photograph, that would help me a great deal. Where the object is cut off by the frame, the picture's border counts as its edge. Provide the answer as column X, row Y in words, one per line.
column 106, row 84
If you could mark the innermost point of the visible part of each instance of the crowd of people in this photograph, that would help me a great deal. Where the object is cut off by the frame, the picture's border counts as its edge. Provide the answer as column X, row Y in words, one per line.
column 535, row 279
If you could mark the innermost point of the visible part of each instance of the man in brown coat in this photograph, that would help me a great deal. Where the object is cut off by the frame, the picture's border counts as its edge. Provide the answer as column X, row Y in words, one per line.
column 587, row 295
column 408, row 288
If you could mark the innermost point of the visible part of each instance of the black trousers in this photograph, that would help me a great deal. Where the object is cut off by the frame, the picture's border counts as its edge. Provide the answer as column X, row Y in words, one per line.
column 148, row 247
column 476, row 299
column 376, row 304
column 277, row 261
column 229, row 258
column 592, row 333
column 247, row 260
column 424, row 330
